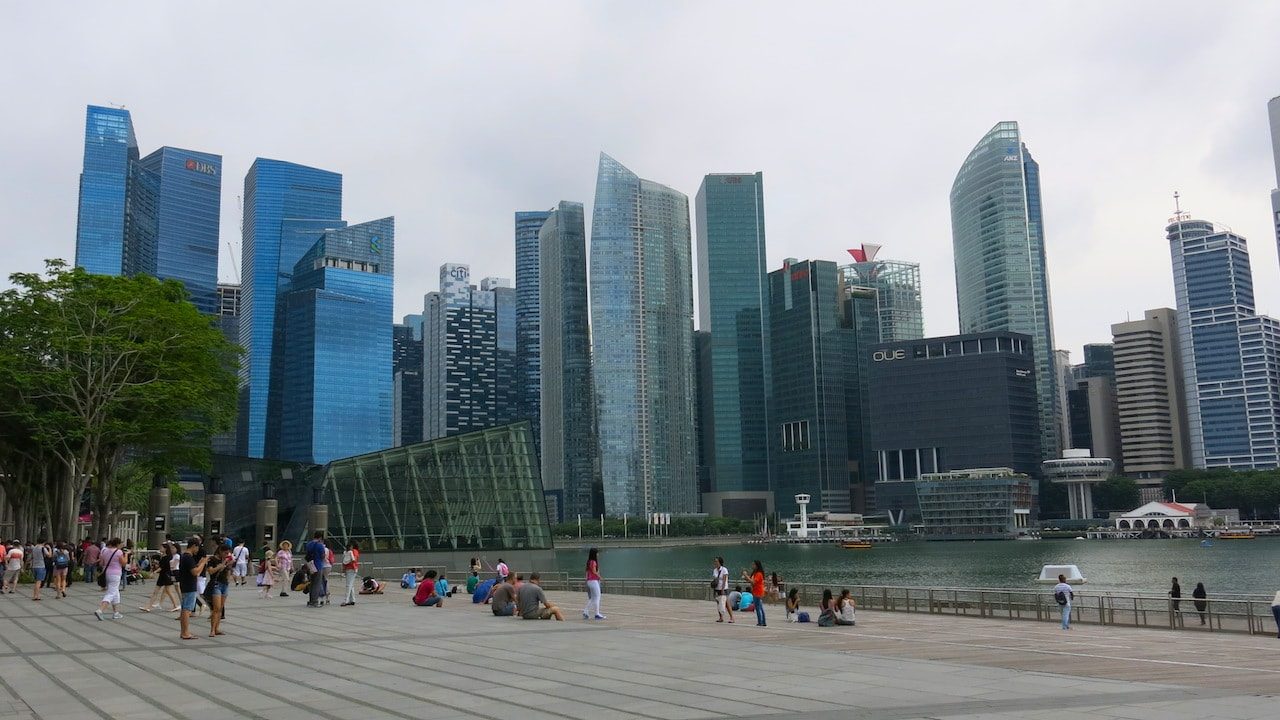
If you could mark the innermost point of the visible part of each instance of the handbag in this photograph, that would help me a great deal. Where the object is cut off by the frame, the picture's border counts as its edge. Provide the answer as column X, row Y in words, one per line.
column 102, row 576
column 311, row 567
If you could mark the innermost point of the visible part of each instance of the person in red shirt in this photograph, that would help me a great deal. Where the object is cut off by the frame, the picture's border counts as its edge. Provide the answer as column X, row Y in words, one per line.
column 426, row 595
column 757, row 589
column 350, row 569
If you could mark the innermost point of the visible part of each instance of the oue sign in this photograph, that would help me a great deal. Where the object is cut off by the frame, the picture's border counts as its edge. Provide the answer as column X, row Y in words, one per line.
column 887, row 355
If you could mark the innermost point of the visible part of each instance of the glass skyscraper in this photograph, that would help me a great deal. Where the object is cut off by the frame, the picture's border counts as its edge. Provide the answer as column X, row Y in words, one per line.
column 998, row 239
column 406, row 373
column 897, row 286
column 528, row 367
column 286, row 209
column 1230, row 355
column 336, row 376
column 110, row 151
column 642, row 343
column 1273, row 115
column 733, row 303
column 570, row 446
column 188, row 203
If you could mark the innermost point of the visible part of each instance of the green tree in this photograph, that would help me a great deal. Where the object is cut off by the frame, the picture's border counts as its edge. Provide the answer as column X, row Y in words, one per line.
column 1117, row 494
column 101, row 370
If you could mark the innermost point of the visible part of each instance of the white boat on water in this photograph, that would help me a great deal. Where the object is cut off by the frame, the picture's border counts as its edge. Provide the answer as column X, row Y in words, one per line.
column 1049, row 574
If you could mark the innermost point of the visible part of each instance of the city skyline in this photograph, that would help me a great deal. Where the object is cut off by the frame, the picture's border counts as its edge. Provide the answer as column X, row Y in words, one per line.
column 1101, row 198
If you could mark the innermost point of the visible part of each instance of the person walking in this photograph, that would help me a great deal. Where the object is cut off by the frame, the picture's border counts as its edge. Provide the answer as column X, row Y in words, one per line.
column 164, row 580
column 240, row 556
column 351, row 570
column 39, row 558
column 284, row 564
column 1200, row 600
column 757, row 590
column 190, row 570
column 315, row 554
column 1063, row 595
column 593, row 586
column 13, row 562
column 111, row 563
column 1175, row 594
column 61, row 564
column 720, row 585
column 89, row 556
column 503, row 572
column 267, row 571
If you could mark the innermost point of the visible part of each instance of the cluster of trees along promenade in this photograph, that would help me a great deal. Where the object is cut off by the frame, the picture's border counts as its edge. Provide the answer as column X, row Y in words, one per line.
column 106, row 383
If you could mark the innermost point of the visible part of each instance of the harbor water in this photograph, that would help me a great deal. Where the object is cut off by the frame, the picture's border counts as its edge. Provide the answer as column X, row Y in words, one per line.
column 1121, row 566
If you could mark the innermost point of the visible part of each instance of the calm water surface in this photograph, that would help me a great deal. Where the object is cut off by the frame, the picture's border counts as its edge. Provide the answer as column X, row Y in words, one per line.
column 1123, row 566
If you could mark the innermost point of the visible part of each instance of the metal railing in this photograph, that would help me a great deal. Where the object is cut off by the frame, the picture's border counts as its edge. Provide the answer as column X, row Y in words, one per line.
column 1239, row 614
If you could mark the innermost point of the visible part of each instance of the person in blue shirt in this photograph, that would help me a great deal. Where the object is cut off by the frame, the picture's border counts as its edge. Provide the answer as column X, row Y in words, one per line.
column 410, row 579
column 442, row 586
column 314, row 551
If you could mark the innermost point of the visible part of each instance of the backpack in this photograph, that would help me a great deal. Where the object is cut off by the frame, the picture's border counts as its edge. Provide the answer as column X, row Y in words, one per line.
column 1061, row 597
column 802, row 617
column 60, row 559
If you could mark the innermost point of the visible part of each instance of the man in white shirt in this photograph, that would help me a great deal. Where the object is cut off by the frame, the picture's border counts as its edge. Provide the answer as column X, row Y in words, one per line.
column 1063, row 595
column 13, row 566
column 240, row 554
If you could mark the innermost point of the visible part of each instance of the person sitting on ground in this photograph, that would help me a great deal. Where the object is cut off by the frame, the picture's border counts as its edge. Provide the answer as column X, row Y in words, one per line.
column 519, row 582
column 442, row 586
column 370, row 586
column 533, row 602
column 793, row 604
column 426, row 595
column 746, row 601
column 735, row 596
column 844, row 609
column 472, row 581
column 826, row 610
column 503, row 596
column 409, row 580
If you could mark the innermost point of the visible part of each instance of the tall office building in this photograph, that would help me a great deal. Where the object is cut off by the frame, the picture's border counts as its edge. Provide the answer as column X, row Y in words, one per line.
column 642, row 343
column 528, row 367
column 468, row 354
column 1150, row 399
column 286, row 209
column 897, row 286
column 1066, row 380
column 337, row 346
column 1230, row 355
column 1273, row 115
column 1002, row 282
column 570, row 445
column 157, row 215
column 228, row 320
column 819, row 327
column 406, row 381
column 733, row 302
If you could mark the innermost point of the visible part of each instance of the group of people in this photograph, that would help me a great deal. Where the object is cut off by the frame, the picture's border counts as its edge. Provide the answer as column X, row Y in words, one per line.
column 727, row 601
column 1200, row 599
column 55, row 565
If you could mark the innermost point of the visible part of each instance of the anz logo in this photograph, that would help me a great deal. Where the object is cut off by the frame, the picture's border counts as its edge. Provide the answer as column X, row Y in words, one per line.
column 375, row 245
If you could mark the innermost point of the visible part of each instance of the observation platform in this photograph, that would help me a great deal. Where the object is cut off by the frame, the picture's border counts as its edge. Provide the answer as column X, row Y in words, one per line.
column 653, row 658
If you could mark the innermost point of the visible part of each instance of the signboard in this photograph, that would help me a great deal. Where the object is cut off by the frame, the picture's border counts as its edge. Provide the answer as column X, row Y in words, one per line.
column 268, row 532
column 157, row 523
column 215, row 527
column 887, row 355
column 201, row 167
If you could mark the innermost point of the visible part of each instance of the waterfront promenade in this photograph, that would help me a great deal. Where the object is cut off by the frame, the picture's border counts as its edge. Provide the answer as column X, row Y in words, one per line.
column 658, row 659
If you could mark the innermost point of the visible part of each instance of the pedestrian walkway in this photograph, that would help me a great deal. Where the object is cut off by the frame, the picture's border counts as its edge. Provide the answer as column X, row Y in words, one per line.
column 656, row 659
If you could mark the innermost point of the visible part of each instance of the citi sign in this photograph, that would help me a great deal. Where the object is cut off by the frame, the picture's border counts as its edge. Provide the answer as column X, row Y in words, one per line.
column 887, row 355
column 201, row 167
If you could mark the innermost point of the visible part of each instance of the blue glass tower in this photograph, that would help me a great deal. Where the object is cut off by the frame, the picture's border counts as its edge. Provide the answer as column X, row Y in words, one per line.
column 188, row 204
column 1002, row 282
column 110, row 151
column 642, row 337
column 733, row 305
column 286, row 209
column 528, row 365
column 337, row 346
column 1230, row 355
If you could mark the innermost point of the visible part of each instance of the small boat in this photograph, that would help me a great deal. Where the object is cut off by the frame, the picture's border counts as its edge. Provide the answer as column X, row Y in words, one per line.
column 1049, row 575
column 856, row 545
column 1206, row 543
column 1236, row 535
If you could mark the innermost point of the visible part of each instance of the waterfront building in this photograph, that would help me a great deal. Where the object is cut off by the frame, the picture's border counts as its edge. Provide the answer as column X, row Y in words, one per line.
column 733, row 301
column 1150, row 400
column 156, row 215
column 336, row 379
column 1230, row 355
column 950, row 403
column 819, row 329
column 701, row 418
column 468, row 339
column 406, row 381
column 286, row 209
column 1175, row 516
column 897, row 286
column 1002, row 282
column 570, row 445
column 642, row 343
column 528, row 364
column 1079, row 470
column 975, row 504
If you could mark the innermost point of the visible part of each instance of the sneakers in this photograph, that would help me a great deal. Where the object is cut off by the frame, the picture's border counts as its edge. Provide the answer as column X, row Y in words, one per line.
column 97, row 614
column 117, row 616
column 601, row 617
column 586, row 616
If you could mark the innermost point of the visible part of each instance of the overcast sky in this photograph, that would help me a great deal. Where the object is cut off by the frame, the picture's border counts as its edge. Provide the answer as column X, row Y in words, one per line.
column 452, row 117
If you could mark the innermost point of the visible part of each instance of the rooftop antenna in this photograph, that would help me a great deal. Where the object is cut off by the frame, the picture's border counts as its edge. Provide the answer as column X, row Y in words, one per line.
column 116, row 106
column 1178, row 214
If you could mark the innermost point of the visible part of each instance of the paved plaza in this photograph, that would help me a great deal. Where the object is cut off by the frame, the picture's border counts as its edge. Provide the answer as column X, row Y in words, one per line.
column 657, row 659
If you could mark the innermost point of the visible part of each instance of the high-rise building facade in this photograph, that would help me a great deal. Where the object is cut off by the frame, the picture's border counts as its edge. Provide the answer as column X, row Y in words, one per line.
column 468, row 354
column 187, row 209
column 110, row 153
column 1273, row 115
column 337, row 346
column 1230, row 355
column 1002, row 282
column 897, row 286
column 1150, row 399
column 286, row 209
column 228, row 320
column 570, row 445
column 733, row 302
column 642, row 343
column 1066, row 380
column 406, row 381
column 528, row 367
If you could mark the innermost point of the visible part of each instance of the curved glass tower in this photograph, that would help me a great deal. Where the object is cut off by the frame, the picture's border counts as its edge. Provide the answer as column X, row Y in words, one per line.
column 641, row 286
column 997, row 234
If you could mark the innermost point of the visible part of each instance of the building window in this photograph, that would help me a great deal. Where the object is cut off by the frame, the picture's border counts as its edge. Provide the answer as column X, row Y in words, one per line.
column 795, row 436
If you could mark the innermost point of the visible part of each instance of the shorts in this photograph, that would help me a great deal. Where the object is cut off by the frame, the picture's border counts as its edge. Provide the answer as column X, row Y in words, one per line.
column 543, row 614
column 189, row 601
column 504, row 610
column 241, row 569
column 219, row 588
column 39, row 574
